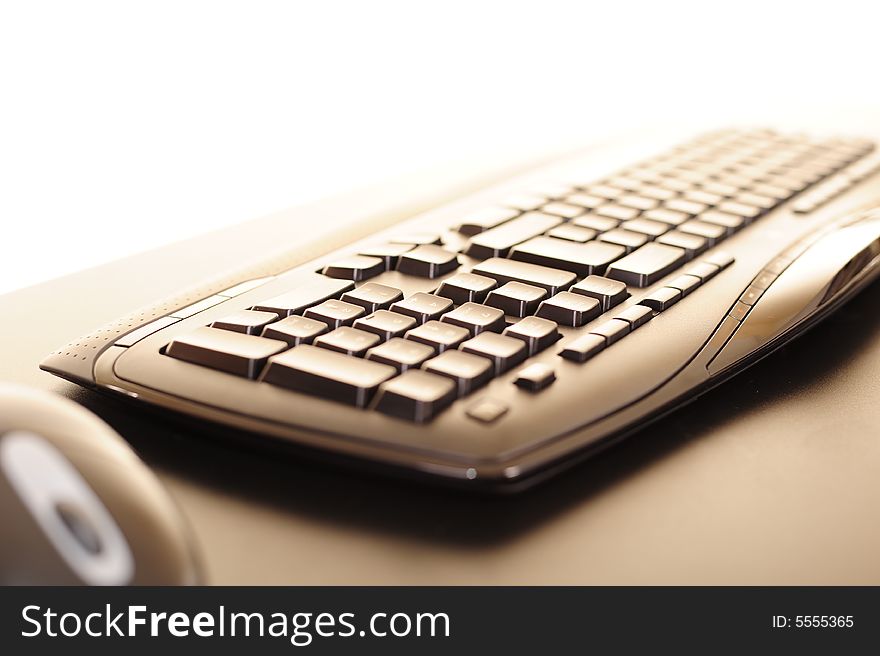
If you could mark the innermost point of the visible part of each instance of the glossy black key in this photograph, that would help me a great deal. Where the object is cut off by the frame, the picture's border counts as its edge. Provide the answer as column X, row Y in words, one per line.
column 569, row 309
column 402, row 354
column 572, row 233
column 416, row 396
column 335, row 313
column 295, row 330
column 628, row 240
column 504, row 352
column 466, row 288
column 647, row 265
column 636, row 315
column 504, row 270
column 439, row 336
column 583, row 348
column 498, row 241
column 612, row 330
column 427, row 262
column 485, row 219
column 325, row 373
column 467, row 370
column 386, row 324
column 310, row 291
column 355, row 267
column 608, row 292
column 516, row 298
column 661, row 299
column 535, row 377
column 536, row 332
column 388, row 253
column 693, row 245
column 249, row 322
column 582, row 259
column 234, row 353
column 350, row 341
column 423, row 307
column 476, row 318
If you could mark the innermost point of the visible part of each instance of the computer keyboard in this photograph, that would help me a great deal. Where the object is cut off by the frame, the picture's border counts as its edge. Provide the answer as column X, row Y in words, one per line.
column 499, row 343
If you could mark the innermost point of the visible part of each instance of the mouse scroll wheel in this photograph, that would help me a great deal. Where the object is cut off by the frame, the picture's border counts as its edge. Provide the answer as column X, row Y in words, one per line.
column 80, row 526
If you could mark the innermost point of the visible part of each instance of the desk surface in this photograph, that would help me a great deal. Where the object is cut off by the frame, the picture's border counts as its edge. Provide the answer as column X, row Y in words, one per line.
column 770, row 479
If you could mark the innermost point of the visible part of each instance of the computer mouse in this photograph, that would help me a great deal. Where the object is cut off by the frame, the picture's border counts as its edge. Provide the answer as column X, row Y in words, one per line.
column 78, row 506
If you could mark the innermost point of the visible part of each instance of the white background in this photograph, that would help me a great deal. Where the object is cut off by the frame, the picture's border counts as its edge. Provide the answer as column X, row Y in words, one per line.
column 126, row 125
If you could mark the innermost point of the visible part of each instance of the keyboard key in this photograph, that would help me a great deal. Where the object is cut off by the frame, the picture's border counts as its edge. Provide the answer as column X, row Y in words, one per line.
column 564, row 210
column 685, row 284
column 647, row 265
column 427, row 262
column 702, row 270
column 249, row 322
column 608, row 292
column 416, row 396
column 583, row 348
column 702, row 196
column 720, row 259
column 652, row 229
column 516, row 299
column 661, row 299
column 466, row 288
column 756, row 200
column 350, row 341
column 606, row 191
column 597, row 223
column 582, row 259
column 503, row 352
column 295, row 330
column 688, row 207
column 439, row 336
column 618, row 212
column 711, row 232
column 536, row 332
column 693, row 245
column 612, row 330
column 355, row 267
column 335, row 313
column 325, row 373
column 498, row 241
column 313, row 290
column 572, row 233
column 657, row 193
column 467, row 370
column 503, row 270
column 636, row 315
column 388, row 253
column 423, row 307
column 746, row 211
column 525, row 202
column 666, row 215
column 487, row 410
column 629, row 240
column 418, row 239
column 720, row 189
column 569, row 309
column 234, row 353
column 386, row 324
column 585, row 200
column 535, row 377
column 402, row 354
column 638, row 202
column 476, row 318
column 372, row 296
column 482, row 220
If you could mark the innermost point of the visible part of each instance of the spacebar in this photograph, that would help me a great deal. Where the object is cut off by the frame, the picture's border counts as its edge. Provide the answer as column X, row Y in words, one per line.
column 321, row 372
